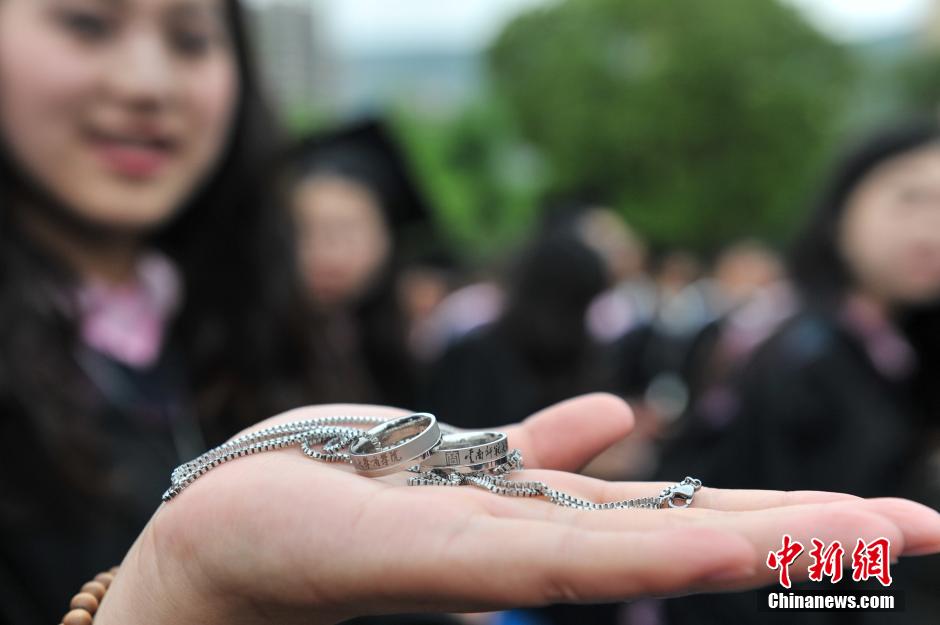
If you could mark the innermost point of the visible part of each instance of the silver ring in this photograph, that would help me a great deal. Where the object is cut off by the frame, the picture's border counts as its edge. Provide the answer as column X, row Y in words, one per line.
column 403, row 441
column 468, row 449
column 499, row 466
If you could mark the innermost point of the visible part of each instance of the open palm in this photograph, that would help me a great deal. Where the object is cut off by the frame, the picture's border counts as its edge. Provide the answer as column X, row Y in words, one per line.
column 279, row 538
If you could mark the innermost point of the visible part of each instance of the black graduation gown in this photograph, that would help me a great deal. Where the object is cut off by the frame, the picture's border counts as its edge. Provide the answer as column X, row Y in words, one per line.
column 487, row 380
column 146, row 430
column 813, row 413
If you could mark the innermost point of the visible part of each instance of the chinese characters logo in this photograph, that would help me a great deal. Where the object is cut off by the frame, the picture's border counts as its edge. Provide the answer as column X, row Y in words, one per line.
column 869, row 560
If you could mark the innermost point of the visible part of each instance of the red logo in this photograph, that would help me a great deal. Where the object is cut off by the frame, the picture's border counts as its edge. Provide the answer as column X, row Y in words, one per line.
column 872, row 559
column 784, row 558
column 826, row 561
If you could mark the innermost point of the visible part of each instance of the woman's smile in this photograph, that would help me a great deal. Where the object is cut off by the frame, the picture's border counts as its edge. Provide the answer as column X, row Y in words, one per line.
column 140, row 153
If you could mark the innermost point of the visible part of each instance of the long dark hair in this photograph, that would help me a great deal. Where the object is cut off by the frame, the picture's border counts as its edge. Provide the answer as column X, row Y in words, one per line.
column 235, row 329
column 823, row 276
column 816, row 263
column 380, row 368
column 550, row 287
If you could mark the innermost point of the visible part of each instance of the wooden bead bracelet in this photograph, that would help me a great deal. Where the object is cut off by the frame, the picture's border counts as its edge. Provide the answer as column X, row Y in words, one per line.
column 85, row 603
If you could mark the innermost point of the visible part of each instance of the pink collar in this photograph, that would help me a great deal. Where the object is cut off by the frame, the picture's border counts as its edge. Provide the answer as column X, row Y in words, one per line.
column 888, row 349
column 128, row 322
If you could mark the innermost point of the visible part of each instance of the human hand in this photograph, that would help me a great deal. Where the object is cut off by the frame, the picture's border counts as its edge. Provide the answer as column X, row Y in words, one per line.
column 278, row 538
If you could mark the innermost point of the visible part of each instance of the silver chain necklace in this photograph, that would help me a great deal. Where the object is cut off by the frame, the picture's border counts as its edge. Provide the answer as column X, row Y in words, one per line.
column 438, row 455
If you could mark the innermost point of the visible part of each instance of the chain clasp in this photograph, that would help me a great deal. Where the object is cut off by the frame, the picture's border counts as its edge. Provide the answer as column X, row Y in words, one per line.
column 680, row 494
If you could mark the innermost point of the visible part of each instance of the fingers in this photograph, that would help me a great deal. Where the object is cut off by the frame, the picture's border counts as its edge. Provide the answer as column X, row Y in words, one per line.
column 565, row 436
column 547, row 562
column 570, row 434
column 497, row 563
column 714, row 498
column 919, row 524
column 845, row 521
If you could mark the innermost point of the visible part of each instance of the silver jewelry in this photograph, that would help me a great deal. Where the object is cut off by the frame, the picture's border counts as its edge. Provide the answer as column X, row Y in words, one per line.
column 468, row 449
column 392, row 446
column 512, row 461
column 305, row 433
column 396, row 444
column 681, row 492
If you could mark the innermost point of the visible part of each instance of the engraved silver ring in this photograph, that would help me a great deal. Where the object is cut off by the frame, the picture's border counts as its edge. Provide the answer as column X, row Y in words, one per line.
column 403, row 441
column 468, row 449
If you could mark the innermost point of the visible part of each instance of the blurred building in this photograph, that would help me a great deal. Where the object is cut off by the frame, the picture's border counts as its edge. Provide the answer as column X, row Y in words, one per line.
column 930, row 34
column 294, row 56
column 307, row 72
column 427, row 80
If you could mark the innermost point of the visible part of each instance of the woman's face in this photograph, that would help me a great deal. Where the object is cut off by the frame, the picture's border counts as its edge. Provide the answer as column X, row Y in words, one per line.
column 890, row 235
column 118, row 108
column 343, row 239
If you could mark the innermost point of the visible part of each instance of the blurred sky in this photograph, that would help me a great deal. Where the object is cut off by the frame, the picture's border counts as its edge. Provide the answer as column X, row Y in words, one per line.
column 375, row 25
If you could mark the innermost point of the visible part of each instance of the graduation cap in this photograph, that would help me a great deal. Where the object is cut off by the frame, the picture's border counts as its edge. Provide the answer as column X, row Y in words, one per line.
column 367, row 153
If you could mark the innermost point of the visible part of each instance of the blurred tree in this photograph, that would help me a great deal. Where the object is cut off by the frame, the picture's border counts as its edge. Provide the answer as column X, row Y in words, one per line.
column 704, row 121
column 918, row 79
column 481, row 178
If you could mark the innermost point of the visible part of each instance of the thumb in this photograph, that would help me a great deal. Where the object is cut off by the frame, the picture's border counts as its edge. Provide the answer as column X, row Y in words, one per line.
column 568, row 435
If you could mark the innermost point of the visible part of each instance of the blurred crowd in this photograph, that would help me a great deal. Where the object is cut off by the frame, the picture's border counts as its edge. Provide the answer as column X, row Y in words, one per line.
column 171, row 274
column 810, row 367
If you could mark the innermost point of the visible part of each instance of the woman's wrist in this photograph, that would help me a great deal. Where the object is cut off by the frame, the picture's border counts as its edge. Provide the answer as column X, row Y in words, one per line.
column 158, row 585
column 153, row 589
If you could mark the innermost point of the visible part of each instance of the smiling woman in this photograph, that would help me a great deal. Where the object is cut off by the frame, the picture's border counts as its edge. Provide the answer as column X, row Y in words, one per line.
column 146, row 292
column 117, row 109
column 145, row 289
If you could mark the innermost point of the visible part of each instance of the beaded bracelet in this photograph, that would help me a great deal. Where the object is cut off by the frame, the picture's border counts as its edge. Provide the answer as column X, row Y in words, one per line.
column 85, row 603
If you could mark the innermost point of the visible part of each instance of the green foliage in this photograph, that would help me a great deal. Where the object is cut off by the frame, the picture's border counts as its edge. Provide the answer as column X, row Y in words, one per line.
column 703, row 121
column 478, row 176
column 302, row 120
column 918, row 78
